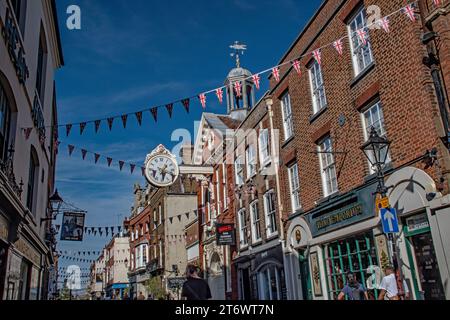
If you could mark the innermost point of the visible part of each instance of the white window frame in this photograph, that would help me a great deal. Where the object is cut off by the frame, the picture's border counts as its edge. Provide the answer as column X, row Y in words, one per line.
column 218, row 191
column 286, row 108
column 374, row 109
column 362, row 56
column 155, row 222
column 271, row 216
column 255, row 221
column 159, row 214
column 264, row 148
column 243, row 228
column 239, row 170
column 327, row 166
column 294, row 185
column 250, row 154
column 317, row 87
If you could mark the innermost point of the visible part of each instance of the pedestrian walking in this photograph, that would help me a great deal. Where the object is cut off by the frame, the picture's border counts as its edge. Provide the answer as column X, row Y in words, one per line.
column 141, row 296
column 390, row 288
column 195, row 288
column 353, row 290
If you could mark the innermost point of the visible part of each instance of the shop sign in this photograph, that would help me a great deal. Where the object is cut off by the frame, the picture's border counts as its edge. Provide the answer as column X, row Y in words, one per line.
column 417, row 223
column 337, row 218
column 72, row 226
column 225, row 235
column 28, row 252
column 15, row 47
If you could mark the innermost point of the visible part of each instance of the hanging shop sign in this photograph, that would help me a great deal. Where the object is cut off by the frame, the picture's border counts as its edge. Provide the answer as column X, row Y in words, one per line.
column 72, row 226
column 15, row 48
column 225, row 235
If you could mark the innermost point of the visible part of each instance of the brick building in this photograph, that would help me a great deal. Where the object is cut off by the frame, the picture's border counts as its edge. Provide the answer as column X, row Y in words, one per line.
column 156, row 232
column 325, row 116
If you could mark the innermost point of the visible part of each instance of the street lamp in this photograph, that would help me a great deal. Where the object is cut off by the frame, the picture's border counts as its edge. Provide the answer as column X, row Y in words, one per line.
column 55, row 202
column 376, row 150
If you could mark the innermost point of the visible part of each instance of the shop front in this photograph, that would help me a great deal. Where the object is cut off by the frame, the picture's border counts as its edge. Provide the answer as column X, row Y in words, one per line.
column 338, row 237
column 215, row 275
column 261, row 274
column 425, row 226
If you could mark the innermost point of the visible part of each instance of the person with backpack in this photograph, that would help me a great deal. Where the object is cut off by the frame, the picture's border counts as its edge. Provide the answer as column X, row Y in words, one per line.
column 353, row 290
column 195, row 288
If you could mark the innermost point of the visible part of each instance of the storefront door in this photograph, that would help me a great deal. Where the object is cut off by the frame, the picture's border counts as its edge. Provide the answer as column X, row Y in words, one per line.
column 305, row 276
column 245, row 284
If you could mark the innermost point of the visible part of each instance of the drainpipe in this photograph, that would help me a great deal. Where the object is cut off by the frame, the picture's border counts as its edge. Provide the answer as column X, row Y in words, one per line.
column 276, row 162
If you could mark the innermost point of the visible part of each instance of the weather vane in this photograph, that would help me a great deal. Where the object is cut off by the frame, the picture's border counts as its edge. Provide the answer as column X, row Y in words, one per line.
column 239, row 48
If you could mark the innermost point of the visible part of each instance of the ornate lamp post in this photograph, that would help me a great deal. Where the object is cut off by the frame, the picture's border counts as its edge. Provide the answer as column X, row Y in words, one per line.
column 55, row 202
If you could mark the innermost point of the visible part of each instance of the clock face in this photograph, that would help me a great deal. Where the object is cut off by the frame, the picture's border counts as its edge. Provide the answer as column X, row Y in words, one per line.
column 162, row 170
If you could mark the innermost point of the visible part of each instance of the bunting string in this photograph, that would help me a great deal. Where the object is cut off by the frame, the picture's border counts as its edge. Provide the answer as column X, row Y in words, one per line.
column 384, row 23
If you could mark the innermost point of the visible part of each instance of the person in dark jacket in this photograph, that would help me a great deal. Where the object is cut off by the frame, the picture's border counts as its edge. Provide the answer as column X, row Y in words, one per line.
column 195, row 288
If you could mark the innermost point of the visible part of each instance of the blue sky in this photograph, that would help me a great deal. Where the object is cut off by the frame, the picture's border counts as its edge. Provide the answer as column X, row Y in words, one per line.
column 130, row 57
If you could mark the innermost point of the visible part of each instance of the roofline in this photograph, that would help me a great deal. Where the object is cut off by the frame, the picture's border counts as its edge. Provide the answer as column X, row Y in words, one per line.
column 58, row 33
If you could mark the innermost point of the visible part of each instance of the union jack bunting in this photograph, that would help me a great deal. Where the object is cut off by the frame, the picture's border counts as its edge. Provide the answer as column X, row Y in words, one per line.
column 110, row 123
column 68, row 128
column 362, row 34
column 339, row 46
column 384, row 23
column 202, row 98
column 154, row 112
column 276, row 73
column 317, row 55
column 238, row 88
column 124, row 120
column 219, row 94
column 297, row 67
column 169, row 108
column 256, row 80
column 82, row 127
column 97, row 125
column 409, row 11
column 71, row 148
column 139, row 117
column 185, row 103
column 437, row 2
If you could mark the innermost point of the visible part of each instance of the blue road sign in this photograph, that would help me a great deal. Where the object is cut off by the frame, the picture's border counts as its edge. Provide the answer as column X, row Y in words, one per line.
column 389, row 220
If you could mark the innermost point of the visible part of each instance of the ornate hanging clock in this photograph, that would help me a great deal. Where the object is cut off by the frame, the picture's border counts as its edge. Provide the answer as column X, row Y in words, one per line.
column 161, row 168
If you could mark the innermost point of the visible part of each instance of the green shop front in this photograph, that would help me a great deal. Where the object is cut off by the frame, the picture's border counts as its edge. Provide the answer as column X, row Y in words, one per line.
column 340, row 236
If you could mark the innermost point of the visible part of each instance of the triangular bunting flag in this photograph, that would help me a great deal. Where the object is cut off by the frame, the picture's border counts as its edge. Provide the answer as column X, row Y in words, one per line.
column 171, row 220
column 238, row 88
column 202, row 98
column 82, row 127
column 83, row 153
column 339, row 46
column 121, row 163
column 409, row 11
column 97, row 156
column 154, row 112
column 384, row 23
column 109, row 160
column 297, row 67
column 110, row 123
column 256, row 79
column 139, row 117
column 143, row 171
column 132, row 167
column 68, row 128
column 124, row 120
column 276, row 73
column 362, row 34
column 318, row 56
column 186, row 103
column 71, row 148
column 97, row 125
column 169, row 108
column 219, row 94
